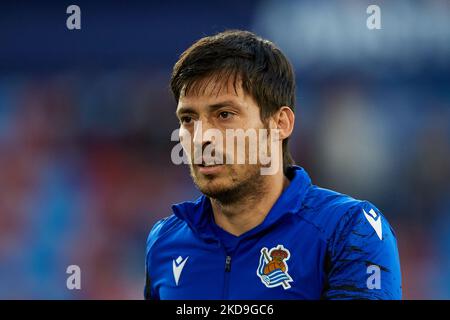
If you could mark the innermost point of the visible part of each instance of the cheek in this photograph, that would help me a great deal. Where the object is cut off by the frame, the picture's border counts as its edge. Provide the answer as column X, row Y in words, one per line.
column 185, row 139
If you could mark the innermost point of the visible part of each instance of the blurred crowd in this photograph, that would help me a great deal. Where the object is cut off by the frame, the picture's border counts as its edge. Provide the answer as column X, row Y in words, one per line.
column 85, row 168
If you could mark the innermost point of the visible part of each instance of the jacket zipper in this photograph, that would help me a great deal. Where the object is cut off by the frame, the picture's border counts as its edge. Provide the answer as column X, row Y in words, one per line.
column 227, row 276
column 228, row 264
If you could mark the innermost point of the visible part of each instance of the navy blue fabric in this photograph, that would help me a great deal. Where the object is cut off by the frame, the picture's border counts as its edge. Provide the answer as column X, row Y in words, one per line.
column 328, row 242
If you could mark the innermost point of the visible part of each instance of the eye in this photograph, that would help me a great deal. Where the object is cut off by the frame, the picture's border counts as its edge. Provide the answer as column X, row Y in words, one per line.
column 225, row 115
column 185, row 119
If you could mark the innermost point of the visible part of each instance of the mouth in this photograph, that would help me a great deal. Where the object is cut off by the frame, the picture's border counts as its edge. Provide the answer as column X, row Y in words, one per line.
column 209, row 169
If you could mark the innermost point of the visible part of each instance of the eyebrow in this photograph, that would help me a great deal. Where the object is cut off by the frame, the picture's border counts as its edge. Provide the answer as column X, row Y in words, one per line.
column 212, row 107
column 184, row 110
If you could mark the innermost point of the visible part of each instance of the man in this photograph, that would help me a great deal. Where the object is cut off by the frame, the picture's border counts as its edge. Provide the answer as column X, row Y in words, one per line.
column 253, row 235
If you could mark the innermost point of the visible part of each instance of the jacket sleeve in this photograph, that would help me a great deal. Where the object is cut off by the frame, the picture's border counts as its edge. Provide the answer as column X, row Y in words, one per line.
column 149, row 292
column 362, row 257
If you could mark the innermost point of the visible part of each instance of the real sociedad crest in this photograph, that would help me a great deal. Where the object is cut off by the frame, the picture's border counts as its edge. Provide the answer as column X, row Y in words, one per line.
column 273, row 269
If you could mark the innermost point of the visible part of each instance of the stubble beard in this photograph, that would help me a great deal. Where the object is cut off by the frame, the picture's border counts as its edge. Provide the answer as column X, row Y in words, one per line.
column 238, row 187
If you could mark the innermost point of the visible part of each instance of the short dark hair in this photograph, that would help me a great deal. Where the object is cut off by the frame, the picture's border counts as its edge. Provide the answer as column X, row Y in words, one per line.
column 265, row 73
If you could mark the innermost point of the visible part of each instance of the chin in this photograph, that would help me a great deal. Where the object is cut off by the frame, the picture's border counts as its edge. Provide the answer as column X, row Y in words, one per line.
column 213, row 186
column 228, row 186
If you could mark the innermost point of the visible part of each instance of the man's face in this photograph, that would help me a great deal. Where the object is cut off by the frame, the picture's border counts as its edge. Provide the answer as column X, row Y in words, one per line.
column 219, row 106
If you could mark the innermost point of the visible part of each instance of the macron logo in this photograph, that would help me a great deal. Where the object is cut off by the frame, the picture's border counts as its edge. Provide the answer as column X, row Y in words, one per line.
column 177, row 266
column 375, row 222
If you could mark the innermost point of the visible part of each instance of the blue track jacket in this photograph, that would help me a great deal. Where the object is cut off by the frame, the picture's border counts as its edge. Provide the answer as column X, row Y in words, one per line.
column 313, row 244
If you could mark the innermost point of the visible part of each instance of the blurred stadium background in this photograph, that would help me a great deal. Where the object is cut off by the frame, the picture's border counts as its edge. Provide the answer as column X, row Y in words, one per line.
column 86, row 118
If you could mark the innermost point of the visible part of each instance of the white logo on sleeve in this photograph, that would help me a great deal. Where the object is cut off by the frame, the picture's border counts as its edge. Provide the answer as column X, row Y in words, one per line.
column 177, row 266
column 375, row 222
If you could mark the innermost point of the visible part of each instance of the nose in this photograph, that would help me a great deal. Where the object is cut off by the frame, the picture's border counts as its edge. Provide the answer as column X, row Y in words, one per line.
column 198, row 131
column 200, row 127
column 200, row 140
column 205, row 134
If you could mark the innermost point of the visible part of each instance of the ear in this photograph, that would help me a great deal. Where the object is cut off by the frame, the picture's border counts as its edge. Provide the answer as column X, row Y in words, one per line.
column 284, row 121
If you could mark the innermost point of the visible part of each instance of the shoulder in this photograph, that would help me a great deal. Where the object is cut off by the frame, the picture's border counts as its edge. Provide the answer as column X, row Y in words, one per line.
column 162, row 228
column 361, row 259
column 334, row 213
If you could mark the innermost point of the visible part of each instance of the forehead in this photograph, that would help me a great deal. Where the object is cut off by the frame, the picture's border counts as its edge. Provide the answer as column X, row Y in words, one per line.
column 212, row 90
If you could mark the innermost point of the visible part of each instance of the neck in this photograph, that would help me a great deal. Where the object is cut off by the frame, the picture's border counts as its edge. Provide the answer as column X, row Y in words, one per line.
column 248, row 212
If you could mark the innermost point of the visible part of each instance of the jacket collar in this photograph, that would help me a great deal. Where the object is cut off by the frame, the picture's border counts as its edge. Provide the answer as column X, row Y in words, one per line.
column 197, row 214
